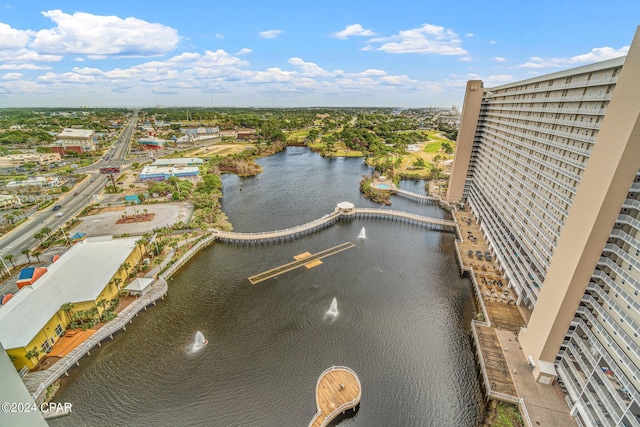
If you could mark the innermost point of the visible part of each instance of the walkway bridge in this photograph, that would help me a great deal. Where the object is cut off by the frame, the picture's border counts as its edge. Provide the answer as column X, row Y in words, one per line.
column 341, row 213
column 416, row 197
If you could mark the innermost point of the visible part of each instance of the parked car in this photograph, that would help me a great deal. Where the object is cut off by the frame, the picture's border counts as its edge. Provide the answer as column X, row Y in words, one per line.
column 76, row 193
column 56, row 207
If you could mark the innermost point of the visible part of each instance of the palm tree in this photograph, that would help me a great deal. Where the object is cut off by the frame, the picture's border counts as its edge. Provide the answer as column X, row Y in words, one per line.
column 116, row 281
column 10, row 259
column 102, row 303
column 67, row 307
column 33, row 354
column 27, row 252
column 45, row 230
column 125, row 266
column 37, row 255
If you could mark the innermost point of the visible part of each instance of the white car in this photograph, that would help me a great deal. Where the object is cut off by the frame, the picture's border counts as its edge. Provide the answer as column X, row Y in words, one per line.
column 59, row 214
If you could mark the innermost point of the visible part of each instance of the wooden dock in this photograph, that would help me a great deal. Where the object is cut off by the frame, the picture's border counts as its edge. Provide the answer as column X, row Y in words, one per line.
column 337, row 391
column 309, row 261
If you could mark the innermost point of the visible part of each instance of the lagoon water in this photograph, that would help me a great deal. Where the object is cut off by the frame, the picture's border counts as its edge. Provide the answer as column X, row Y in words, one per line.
column 403, row 322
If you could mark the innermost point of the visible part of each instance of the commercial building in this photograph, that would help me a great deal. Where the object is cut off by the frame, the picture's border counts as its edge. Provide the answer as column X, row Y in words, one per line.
column 211, row 131
column 35, row 181
column 186, row 161
column 15, row 160
column 91, row 270
column 160, row 173
column 76, row 140
column 550, row 167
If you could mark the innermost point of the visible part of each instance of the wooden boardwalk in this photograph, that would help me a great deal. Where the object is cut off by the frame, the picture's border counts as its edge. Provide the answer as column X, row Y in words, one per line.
column 494, row 362
column 37, row 381
column 330, row 219
column 338, row 390
column 415, row 196
column 306, row 260
column 505, row 316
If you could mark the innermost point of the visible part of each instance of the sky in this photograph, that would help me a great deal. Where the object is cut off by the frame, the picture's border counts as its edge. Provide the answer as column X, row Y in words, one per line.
column 141, row 53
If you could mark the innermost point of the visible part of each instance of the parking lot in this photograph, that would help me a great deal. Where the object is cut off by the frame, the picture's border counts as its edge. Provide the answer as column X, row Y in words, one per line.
column 105, row 222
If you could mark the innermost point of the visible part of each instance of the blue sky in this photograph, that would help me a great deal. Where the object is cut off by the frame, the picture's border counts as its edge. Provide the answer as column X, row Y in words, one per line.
column 284, row 53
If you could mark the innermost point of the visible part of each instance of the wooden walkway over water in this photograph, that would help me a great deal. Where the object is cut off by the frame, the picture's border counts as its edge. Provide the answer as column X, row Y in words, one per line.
column 337, row 391
column 299, row 263
column 415, row 197
column 38, row 381
column 330, row 219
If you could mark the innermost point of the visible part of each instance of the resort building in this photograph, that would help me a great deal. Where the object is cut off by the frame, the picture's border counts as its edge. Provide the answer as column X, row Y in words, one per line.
column 76, row 140
column 92, row 270
column 550, row 168
column 12, row 389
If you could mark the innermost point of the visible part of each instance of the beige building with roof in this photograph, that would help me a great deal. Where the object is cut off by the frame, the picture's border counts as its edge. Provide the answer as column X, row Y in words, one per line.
column 77, row 140
column 14, row 160
column 90, row 271
column 550, row 167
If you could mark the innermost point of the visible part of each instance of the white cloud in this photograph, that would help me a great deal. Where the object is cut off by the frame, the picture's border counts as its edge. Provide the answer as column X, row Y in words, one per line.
column 12, row 76
column 499, row 59
column 10, row 38
column 426, row 39
column 309, row 68
column 498, row 79
column 270, row 34
column 465, row 59
column 595, row 55
column 353, row 30
column 24, row 67
column 78, row 59
column 469, row 35
column 493, row 42
column 25, row 55
column 244, row 51
column 101, row 36
column 401, row 80
column 219, row 36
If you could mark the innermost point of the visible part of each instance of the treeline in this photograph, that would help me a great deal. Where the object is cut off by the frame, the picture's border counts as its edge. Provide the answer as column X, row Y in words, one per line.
column 27, row 137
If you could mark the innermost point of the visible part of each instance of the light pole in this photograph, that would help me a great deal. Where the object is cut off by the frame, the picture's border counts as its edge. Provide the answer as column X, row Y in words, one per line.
column 5, row 265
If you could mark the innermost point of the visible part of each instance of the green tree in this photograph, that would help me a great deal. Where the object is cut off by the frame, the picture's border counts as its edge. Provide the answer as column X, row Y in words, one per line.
column 447, row 148
column 34, row 353
column 10, row 259
column 27, row 252
column 37, row 255
column 313, row 135
column 67, row 307
column 419, row 163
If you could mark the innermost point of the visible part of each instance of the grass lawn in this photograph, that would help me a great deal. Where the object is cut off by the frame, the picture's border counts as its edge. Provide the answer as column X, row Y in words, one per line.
column 220, row 150
column 297, row 135
column 340, row 150
column 504, row 415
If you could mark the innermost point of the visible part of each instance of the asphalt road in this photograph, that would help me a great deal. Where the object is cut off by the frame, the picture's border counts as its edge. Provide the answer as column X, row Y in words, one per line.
column 22, row 237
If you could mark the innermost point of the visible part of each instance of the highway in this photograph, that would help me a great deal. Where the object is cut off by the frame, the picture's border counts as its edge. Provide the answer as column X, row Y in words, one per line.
column 22, row 238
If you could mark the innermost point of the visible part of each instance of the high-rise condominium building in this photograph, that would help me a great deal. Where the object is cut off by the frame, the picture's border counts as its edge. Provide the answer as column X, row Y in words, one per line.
column 550, row 167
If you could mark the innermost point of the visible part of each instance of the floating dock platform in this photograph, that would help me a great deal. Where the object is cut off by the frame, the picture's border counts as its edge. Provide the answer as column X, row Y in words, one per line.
column 337, row 391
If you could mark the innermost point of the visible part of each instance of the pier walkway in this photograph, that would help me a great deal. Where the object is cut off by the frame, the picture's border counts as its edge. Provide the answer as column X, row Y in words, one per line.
column 307, row 260
column 330, row 219
column 38, row 381
column 415, row 197
column 338, row 390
